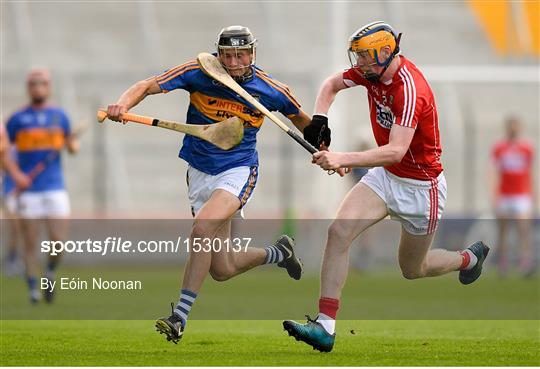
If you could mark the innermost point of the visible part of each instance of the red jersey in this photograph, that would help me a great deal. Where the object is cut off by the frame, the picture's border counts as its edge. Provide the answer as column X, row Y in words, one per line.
column 513, row 160
column 406, row 100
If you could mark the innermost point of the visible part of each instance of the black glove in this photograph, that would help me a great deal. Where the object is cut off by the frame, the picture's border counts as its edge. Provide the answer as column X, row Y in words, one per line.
column 317, row 132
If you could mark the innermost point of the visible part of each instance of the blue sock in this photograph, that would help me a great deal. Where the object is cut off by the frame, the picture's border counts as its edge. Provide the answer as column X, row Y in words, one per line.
column 183, row 307
column 32, row 282
column 51, row 265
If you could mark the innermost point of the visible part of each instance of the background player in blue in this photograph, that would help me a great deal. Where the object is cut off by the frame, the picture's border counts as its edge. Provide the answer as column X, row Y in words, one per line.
column 12, row 178
column 220, row 182
column 39, row 132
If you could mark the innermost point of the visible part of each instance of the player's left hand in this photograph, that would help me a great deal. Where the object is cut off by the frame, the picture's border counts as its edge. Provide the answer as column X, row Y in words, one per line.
column 328, row 160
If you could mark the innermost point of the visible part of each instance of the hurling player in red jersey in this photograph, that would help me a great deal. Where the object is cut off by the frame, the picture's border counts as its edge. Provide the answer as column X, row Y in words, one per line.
column 513, row 159
column 406, row 180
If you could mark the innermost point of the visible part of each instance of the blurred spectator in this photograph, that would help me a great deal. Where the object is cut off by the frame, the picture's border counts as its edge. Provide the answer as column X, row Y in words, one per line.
column 512, row 196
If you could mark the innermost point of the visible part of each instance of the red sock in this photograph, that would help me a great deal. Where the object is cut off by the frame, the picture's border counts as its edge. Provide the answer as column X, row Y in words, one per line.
column 466, row 259
column 328, row 306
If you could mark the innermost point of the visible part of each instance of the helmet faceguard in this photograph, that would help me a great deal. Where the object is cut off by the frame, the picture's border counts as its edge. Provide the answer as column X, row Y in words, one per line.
column 232, row 42
column 365, row 47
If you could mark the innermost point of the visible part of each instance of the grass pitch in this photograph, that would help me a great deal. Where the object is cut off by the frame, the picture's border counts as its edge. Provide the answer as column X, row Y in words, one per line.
column 369, row 333
column 264, row 343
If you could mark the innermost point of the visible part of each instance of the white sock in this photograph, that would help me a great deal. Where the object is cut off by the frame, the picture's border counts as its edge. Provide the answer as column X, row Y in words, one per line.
column 35, row 294
column 473, row 260
column 328, row 323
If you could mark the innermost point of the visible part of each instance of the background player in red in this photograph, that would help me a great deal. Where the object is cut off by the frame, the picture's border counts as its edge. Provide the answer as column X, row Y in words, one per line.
column 513, row 158
column 406, row 180
column 39, row 132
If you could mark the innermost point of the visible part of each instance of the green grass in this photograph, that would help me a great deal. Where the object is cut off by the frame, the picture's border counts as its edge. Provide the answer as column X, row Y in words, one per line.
column 395, row 322
column 264, row 343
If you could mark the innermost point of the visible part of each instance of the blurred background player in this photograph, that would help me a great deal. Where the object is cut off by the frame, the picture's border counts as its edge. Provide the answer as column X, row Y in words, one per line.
column 406, row 180
column 12, row 178
column 513, row 159
column 220, row 182
column 39, row 132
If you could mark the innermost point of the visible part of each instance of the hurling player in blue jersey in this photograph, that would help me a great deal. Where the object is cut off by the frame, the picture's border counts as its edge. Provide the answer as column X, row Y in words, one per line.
column 39, row 132
column 12, row 178
column 221, row 182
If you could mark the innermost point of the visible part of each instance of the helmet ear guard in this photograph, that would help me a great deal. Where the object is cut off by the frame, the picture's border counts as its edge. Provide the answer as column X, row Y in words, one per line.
column 392, row 55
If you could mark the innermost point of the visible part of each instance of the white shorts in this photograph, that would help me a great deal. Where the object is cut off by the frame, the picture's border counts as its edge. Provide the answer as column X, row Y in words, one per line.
column 418, row 205
column 240, row 181
column 514, row 205
column 43, row 204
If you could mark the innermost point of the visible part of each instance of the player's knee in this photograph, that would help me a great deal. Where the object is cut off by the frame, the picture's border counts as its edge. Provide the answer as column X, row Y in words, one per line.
column 221, row 274
column 412, row 274
column 204, row 229
column 338, row 231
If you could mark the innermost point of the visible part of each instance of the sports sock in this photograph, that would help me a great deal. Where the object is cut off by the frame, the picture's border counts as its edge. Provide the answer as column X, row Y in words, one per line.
column 35, row 295
column 273, row 255
column 50, row 268
column 183, row 307
column 327, row 323
column 328, row 308
column 51, row 265
column 32, row 283
column 469, row 260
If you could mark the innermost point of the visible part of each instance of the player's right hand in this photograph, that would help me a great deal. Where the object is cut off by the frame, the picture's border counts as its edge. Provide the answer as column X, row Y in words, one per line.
column 317, row 132
column 115, row 111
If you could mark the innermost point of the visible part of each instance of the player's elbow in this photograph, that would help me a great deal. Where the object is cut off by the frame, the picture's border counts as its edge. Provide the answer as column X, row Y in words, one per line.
column 150, row 86
column 142, row 86
column 332, row 85
column 396, row 155
column 336, row 83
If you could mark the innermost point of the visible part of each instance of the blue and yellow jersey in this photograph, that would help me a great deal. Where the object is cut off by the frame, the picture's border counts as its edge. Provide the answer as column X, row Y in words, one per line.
column 212, row 102
column 36, row 133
